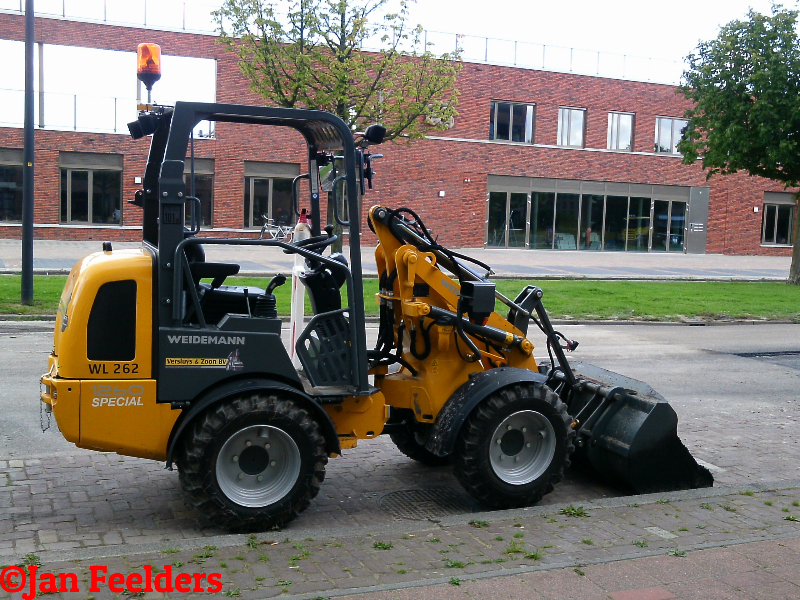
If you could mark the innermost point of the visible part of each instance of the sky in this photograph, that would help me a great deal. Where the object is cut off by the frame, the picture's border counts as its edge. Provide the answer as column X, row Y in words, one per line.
column 665, row 32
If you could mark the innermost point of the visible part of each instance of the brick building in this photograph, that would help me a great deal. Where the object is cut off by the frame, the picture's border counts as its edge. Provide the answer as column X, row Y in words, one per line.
column 534, row 159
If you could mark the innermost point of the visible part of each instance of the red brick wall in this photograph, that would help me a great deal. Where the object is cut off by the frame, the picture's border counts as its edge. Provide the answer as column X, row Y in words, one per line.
column 409, row 174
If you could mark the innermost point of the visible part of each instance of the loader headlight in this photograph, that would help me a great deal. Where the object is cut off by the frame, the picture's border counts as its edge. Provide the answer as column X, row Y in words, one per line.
column 146, row 124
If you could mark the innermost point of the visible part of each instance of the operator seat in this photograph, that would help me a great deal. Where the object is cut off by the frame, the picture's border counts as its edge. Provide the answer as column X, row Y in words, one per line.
column 216, row 299
column 323, row 284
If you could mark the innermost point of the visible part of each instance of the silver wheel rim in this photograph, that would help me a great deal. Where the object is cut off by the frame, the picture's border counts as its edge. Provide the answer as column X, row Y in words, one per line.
column 258, row 466
column 522, row 447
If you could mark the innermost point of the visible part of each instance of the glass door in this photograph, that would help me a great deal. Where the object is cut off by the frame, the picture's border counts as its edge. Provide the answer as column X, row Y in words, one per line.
column 677, row 226
column 542, row 216
column 567, row 209
column 660, row 225
column 639, row 224
column 517, row 217
column 507, row 219
column 616, row 223
column 496, row 220
column 591, row 222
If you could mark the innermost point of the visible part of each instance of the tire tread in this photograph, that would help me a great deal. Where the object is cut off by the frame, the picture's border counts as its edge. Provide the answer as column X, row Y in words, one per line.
column 199, row 483
column 469, row 464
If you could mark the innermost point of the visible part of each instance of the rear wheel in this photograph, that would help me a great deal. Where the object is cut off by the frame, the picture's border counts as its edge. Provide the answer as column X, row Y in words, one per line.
column 406, row 441
column 515, row 446
column 253, row 462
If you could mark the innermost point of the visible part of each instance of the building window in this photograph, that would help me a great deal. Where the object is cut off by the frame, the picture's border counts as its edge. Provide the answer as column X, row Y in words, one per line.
column 10, row 192
column 570, row 127
column 575, row 215
column 204, row 191
column 511, row 122
column 668, row 133
column 620, row 131
column 777, row 226
column 267, row 198
column 507, row 219
column 91, row 196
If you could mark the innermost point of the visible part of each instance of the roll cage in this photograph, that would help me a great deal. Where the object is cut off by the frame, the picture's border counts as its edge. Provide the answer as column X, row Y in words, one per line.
column 163, row 197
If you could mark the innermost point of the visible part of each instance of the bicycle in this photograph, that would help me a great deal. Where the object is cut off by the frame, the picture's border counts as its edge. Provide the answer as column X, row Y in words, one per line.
column 275, row 231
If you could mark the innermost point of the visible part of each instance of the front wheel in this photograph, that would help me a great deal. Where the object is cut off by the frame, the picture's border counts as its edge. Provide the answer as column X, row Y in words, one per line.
column 515, row 446
column 252, row 463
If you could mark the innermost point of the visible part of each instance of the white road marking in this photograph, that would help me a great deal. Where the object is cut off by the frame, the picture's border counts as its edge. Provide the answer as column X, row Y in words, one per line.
column 710, row 467
column 662, row 533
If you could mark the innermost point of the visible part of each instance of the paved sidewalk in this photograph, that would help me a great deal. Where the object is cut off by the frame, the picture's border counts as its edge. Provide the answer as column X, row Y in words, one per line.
column 737, row 414
column 59, row 256
column 713, row 543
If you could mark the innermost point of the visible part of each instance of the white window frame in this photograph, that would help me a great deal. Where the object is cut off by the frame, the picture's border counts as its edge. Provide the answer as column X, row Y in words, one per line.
column 565, row 126
column 673, row 142
column 613, row 141
column 530, row 120
column 792, row 216
column 251, row 188
column 90, row 197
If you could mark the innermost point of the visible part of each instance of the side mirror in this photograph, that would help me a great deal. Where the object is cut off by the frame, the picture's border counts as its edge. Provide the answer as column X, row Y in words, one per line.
column 375, row 134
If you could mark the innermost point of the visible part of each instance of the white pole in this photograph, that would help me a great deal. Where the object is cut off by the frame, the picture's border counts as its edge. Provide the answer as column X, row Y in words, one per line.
column 301, row 232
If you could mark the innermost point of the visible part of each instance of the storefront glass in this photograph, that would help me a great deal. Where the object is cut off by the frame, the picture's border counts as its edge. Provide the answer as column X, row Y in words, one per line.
column 589, row 221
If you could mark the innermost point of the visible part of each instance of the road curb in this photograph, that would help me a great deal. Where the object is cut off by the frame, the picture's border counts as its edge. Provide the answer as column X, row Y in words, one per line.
column 497, row 276
column 375, row 320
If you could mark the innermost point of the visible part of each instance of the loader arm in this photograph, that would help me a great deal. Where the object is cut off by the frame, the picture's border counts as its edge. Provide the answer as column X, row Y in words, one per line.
column 626, row 429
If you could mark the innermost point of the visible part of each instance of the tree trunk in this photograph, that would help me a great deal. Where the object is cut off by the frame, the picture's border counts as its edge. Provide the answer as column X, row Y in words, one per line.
column 794, row 270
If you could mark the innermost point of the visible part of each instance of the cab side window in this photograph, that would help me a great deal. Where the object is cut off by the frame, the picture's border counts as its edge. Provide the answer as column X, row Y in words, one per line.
column 111, row 332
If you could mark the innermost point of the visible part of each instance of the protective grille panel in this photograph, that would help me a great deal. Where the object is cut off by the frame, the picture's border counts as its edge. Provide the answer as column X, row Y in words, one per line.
column 325, row 350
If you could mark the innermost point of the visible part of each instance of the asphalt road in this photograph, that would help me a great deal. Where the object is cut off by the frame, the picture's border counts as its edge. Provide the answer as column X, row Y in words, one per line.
column 736, row 376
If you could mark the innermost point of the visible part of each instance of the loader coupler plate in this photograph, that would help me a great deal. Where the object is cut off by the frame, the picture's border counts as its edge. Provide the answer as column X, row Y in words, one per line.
column 629, row 434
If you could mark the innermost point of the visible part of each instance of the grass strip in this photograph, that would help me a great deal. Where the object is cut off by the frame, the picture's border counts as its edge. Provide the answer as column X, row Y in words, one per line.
column 573, row 298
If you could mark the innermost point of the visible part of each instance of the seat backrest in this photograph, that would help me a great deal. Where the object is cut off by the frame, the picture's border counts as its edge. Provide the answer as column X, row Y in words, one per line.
column 323, row 285
column 216, row 271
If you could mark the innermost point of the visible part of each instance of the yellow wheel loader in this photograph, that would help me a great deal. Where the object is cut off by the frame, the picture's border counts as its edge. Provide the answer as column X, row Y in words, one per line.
column 155, row 357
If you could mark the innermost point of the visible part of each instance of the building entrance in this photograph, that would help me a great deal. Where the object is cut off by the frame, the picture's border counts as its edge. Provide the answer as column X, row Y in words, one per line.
column 579, row 215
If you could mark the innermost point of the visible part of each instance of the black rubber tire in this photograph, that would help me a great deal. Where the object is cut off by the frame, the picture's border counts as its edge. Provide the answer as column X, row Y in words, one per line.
column 203, row 440
column 471, row 456
column 407, row 443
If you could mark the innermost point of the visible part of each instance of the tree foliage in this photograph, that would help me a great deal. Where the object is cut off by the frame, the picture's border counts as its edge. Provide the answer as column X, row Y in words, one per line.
column 745, row 85
column 311, row 56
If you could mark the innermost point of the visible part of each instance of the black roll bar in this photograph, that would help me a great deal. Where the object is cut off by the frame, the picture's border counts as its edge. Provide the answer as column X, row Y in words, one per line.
column 323, row 132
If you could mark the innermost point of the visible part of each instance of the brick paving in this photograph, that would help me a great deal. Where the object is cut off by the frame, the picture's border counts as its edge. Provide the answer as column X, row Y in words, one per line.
column 97, row 499
column 87, row 499
column 709, row 544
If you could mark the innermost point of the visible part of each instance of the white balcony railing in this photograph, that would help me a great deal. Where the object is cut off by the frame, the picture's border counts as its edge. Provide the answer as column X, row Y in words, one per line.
column 195, row 16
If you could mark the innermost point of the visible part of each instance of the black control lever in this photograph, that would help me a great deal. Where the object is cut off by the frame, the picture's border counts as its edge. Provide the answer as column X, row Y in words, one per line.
column 275, row 282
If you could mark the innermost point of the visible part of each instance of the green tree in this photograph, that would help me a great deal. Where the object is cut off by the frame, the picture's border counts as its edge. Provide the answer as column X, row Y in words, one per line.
column 745, row 85
column 311, row 56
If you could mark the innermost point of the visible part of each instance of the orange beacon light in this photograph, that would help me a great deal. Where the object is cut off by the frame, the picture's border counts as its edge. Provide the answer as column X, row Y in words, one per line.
column 148, row 64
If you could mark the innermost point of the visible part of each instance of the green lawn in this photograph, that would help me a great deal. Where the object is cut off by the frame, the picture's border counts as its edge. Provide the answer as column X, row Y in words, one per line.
column 579, row 299
column 46, row 292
